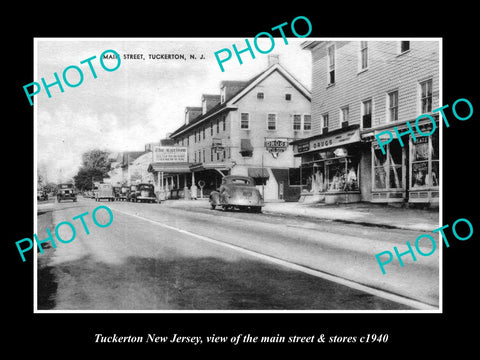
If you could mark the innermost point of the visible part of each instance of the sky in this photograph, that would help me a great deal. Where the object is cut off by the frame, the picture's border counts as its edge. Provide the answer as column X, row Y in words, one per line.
column 140, row 102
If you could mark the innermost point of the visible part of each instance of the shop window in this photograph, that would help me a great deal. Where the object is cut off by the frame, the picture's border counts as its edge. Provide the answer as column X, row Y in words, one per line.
column 388, row 167
column 425, row 162
column 420, row 162
column 313, row 178
column 342, row 174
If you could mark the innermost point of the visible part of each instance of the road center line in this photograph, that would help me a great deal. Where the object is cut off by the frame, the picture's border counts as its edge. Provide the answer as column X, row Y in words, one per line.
column 293, row 266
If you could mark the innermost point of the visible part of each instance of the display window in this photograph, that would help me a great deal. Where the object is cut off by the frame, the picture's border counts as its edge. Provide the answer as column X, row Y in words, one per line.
column 388, row 168
column 425, row 170
column 342, row 174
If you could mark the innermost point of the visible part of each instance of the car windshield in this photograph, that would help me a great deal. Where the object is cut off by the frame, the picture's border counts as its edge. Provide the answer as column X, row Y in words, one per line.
column 145, row 187
column 240, row 181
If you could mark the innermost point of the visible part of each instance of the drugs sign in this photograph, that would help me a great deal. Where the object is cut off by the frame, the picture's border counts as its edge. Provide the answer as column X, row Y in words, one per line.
column 169, row 154
column 276, row 145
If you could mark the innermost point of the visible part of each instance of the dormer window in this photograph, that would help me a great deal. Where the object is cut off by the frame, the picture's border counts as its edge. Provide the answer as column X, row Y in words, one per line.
column 222, row 95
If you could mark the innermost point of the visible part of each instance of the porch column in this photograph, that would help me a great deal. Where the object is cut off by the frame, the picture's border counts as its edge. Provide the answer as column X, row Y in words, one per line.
column 186, row 192
column 193, row 188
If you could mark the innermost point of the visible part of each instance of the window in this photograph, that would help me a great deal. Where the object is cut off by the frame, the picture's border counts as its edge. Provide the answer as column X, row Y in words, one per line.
column 211, row 154
column 211, row 128
column 244, row 120
column 271, row 121
column 218, row 126
column 260, row 95
column 297, row 122
column 426, row 96
column 288, row 97
column 194, row 156
column 223, row 123
column 404, row 46
column 331, row 64
column 363, row 55
column 325, row 122
column 425, row 162
column 388, row 167
column 393, row 106
column 367, row 114
column 307, row 122
column 203, row 130
column 195, row 135
column 344, row 114
column 204, row 158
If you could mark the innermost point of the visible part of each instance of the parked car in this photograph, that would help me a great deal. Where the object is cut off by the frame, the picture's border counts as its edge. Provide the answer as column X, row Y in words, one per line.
column 42, row 195
column 132, row 193
column 105, row 191
column 237, row 192
column 122, row 195
column 66, row 192
column 145, row 193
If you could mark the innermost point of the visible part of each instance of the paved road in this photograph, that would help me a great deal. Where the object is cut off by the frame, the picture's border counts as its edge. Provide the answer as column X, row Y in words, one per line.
column 160, row 257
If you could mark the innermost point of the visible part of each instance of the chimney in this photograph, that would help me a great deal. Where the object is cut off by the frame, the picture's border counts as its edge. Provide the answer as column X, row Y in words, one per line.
column 273, row 59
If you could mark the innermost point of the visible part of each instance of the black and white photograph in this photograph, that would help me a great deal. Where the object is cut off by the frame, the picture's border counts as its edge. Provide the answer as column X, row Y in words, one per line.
column 259, row 187
column 274, row 182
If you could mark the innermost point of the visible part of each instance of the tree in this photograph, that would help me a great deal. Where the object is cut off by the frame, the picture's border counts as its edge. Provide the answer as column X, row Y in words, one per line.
column 96, row 166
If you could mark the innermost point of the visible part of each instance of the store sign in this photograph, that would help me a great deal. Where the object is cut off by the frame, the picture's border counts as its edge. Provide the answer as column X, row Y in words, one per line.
column 276, row 145
column 330, row 141
column 169, row 154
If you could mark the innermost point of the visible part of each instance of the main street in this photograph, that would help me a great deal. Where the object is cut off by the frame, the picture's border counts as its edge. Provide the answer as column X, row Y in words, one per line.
column 176, row 256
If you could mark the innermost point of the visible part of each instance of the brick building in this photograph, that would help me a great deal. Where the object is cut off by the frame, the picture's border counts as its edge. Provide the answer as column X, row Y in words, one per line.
column 359, row 89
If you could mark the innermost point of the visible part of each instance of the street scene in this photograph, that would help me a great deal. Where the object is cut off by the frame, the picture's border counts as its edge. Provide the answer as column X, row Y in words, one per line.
column 175, row 256
column 267, row 187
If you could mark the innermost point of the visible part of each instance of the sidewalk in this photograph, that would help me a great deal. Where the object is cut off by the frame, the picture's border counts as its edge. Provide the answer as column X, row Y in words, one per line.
column 358, row 213
column 362, row 213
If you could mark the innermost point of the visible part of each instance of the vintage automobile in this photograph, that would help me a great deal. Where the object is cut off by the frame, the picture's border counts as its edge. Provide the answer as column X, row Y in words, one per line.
column 123, row 193
column 105, row 191
column 145, row 193
column 237, row 192
column 132, row 193
column 66, row 192
column 42, row 195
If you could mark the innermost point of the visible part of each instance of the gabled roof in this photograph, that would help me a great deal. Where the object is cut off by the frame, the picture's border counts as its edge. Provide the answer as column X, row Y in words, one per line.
column 249, row 85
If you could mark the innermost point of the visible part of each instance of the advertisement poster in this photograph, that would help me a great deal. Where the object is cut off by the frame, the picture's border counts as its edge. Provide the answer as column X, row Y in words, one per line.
column 285, row 184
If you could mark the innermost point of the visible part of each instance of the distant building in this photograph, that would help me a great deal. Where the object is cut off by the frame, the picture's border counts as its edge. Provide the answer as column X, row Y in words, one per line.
column 246, row 130
column 359, row 89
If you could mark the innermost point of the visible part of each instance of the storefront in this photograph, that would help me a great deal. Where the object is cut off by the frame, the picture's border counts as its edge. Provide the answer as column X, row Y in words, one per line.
column 424, row 168
column 330, row 165
column 408, row 173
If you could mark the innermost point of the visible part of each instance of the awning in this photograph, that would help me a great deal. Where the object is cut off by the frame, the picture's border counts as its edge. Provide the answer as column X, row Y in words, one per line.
column 258, row 173
column 245, row 145
column 174, row 168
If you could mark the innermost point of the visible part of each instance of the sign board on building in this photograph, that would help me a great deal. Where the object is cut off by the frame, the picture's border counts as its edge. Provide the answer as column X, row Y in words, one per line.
column 324, row 142
column 276, row 145
column 169, row 154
